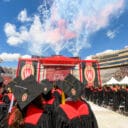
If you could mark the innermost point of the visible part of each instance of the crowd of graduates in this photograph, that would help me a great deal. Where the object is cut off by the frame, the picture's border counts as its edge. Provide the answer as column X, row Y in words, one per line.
column 31, row 104
column 111, row 96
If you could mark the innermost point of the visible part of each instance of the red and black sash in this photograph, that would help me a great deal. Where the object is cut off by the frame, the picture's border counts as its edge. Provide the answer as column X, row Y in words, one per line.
column 33, row 115
column 75, row 109
column 51, row 101
column 57, row 90
column 9, row 96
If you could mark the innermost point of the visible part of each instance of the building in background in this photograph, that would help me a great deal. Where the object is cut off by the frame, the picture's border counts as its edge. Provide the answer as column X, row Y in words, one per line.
column 114, row 64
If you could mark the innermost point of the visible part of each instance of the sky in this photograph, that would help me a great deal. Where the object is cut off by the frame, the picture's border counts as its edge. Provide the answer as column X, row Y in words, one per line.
column 61, row 27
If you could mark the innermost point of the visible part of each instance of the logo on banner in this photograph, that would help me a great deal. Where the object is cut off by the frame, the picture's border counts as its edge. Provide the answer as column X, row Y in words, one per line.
column 89, row 73
column 27, row 70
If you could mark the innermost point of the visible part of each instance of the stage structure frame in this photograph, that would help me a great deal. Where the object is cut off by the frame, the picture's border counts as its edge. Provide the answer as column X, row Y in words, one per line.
column 58, row 67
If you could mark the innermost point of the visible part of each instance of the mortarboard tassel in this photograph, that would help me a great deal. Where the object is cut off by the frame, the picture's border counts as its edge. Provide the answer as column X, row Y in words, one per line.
column 63, row 98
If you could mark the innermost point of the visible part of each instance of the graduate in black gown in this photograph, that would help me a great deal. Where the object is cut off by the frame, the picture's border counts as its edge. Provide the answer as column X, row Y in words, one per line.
column 50, row 102
column 7, row 97
column 74, row 113
column 6, row 104
column 48, row 98
column 29, row 99
column 57, row 92
column 3, row 113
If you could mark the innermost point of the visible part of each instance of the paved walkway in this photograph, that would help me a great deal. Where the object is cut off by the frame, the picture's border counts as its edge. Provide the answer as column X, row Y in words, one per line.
column 109, row 119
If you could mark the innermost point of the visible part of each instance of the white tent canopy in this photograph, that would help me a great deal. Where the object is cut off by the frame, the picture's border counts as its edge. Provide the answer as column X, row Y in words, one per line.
column 112, row 81
column 124, row 80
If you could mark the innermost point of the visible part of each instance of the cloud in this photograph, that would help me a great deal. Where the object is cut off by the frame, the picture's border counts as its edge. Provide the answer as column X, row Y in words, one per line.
column 15, row 38
column 9, row 56
column 109, row 51
column 23, row 17
column 65, row 25
column 89, row 57
column 10, row 29
column 111, row 34
column 100, row 16
column 25, row 56
column 106, row 52
column 12, row 56
column 36, row 36
column 126, row 46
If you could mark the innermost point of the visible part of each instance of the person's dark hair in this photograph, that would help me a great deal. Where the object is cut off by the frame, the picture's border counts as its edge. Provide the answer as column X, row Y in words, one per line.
column 47, row 96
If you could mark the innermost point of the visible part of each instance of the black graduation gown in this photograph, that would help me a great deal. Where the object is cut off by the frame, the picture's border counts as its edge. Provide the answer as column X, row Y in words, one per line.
column 74, row 115
column 57, row 94
column 3, row 114
column 100, row 96
column 50, row 104
column 115, row 100
column 106, row 97
column 36, row 118
column 49, row 107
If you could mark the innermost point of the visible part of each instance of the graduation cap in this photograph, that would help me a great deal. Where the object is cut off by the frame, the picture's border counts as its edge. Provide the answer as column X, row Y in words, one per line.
column 73, row 80
column 26, row 91
column 46, row 86
column 16, row 80
column 70, row 77
column 64, row 86
column 30, row 79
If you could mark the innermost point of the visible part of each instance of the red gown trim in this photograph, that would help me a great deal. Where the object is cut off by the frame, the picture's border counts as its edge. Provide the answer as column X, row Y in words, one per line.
column 33, row 115
column 51, row 101
column 75, row 109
